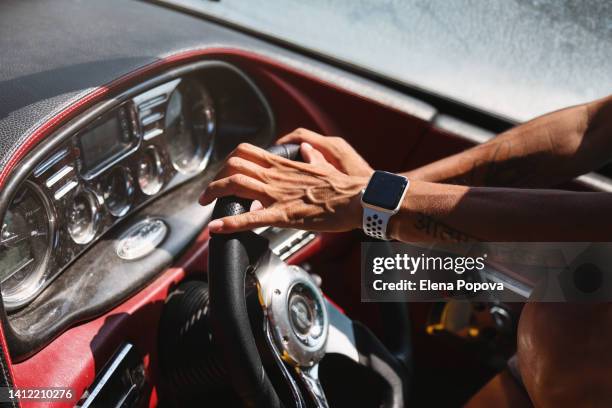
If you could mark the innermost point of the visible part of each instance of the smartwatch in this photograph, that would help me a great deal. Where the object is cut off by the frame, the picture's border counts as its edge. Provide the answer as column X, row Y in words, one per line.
column 381, row 199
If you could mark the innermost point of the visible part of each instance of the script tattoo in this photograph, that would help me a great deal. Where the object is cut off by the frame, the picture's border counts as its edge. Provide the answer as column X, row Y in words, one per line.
column 439, row 230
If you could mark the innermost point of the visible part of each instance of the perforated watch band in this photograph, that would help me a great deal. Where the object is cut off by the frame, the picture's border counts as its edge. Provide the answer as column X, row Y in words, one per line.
column 375, row 223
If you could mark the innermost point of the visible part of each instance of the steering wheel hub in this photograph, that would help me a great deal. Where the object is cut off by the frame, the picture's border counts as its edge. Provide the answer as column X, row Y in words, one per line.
column 297, row 311
column 305, row 314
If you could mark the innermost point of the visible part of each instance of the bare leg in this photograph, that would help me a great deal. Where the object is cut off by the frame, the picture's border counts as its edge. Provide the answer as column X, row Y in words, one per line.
column 565, row 354
column 502, row 391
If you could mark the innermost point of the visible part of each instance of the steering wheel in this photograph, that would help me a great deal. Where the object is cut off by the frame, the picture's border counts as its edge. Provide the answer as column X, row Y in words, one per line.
column 300, row 326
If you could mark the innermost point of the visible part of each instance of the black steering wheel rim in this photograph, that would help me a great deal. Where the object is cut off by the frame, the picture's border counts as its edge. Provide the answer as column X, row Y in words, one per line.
column 228, row 262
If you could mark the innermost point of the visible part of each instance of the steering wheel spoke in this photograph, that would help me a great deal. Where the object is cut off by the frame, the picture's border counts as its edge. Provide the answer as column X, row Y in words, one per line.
column 310, row 379
column 341, row 337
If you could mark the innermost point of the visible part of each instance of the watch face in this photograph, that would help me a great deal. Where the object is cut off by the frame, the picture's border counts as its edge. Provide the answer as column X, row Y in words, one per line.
column 385, row 190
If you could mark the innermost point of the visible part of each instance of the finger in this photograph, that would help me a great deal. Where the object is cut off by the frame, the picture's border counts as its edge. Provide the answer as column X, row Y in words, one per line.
column 255, row 154
column 246, row 221
column 237, row 185
column 301, row 135
column 326, row 145
column 312, row 156
column 238, row 165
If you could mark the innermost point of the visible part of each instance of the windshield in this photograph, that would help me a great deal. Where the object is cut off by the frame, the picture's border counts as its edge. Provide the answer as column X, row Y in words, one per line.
column 513, row 58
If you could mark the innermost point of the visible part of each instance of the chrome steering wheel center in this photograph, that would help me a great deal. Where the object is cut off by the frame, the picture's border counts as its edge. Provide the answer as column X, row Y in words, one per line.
column 305, row 314
column 297, row 313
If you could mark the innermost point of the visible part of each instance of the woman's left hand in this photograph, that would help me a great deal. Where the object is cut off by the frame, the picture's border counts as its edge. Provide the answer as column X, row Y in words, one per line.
column 311, row 195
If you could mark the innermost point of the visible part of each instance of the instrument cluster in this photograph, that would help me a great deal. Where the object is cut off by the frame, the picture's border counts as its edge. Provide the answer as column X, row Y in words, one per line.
column 146, row 145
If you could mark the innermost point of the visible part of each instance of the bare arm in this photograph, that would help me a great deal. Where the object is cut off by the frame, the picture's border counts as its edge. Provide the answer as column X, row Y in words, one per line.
column 543, row 152
column 443, row 212
column 317, row 196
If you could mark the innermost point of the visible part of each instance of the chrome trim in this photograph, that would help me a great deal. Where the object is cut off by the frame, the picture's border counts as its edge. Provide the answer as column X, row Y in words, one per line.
column 292, row 243
column 47, row 164
column 95, row 217
column 152, row 134
column 152, row 103
column 293, row 385
column 341, row 338
column 210, row 131
column 150, row 119
column 64, row 171
column 128, row 181
column 158, row 169
column 20, row 267
column 40, row 275
column 152, row 98
column 108, row 373
column 596, row 182
column 65, row 189
column 276, row 282
column 310, row 378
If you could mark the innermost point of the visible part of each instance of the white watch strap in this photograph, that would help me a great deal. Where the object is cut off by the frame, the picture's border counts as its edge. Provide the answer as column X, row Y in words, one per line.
column 375, row 223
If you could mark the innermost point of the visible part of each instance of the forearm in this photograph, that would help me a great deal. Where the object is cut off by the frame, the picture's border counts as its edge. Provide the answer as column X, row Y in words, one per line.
column 439, row 212
column 540, row 153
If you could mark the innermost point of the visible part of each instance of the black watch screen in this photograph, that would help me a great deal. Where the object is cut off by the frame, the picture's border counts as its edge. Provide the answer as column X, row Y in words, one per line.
column 385, row 190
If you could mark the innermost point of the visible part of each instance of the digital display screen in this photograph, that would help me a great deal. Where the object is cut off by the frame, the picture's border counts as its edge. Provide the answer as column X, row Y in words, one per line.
column 103, row 142
column 385, row 190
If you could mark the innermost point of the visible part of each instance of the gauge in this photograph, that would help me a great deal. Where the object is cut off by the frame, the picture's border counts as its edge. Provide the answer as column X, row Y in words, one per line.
column 190, row 127
column 83, row 217
column 150, row 172
column 25, row 244
column 118, row 189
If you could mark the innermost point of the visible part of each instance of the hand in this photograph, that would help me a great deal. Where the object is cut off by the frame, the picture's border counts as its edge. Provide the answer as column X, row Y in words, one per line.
column 313, row 195
column 335, row 150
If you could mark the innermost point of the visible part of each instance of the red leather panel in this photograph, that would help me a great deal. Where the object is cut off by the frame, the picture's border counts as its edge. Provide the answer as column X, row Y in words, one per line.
column 435, row 144
column 299, row 100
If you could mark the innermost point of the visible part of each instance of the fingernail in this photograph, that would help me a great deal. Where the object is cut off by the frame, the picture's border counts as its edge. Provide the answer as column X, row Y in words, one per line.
column 256, row 205
column 307, row 146
column 215, row 225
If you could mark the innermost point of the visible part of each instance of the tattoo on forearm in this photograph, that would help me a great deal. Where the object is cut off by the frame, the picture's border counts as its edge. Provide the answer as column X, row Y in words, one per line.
column 440, row 231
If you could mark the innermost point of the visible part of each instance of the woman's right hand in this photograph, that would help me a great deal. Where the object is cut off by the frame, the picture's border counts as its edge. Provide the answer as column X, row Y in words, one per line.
column 336, row 151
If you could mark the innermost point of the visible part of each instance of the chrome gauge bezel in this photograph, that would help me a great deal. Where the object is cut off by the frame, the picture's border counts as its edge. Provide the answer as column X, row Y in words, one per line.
column 151, row 153
column 36, row 280
column 208, row 110
column 94, row 207
column 127, row 182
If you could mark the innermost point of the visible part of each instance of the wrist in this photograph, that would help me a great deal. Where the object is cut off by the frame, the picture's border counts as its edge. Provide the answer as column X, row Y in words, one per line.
column 355, row 208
